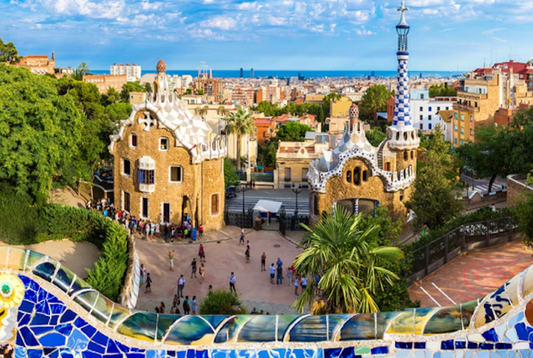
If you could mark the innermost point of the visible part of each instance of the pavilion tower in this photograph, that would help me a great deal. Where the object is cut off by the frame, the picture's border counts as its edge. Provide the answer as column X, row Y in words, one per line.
column 402, row 135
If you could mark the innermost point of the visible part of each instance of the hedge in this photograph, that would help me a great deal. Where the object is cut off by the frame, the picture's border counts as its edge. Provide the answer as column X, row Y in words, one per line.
column 483, row 214
column 22, row 223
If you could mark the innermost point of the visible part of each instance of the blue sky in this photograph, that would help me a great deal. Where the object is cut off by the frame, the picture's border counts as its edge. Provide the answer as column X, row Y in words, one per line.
column 269, row 34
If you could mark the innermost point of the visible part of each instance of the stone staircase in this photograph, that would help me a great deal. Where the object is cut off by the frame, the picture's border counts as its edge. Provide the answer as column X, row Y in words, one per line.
column 380, row 153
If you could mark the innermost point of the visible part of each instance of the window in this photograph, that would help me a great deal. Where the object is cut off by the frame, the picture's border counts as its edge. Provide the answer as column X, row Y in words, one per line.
column 447, row 108
column 421, row 117
column 127, row 202
column 357, row 176
column 163, row 144
column 349, row 176
column 462, row 142
column 387, row 167
column 405, row 156
column 471, row 131
column 429, row 109
column 455, row 127
column 144, row 207
column 365, row 175
column 429, row 117
column 315, row 204
column 176, row 174
column 304, row 173
column 133, row 141
column 146, row 177
column 401, row 195
column 421, row 110
column 287, row 174
column 471, row 118
column 455, row 140
column 421, row 126
column 438, row 109
column 421, row 96
column 126, row 167
column 456, row 115
column 462, row 130
column 214, row 204
column 412, row 155
column 429, row 126
column 462, row 117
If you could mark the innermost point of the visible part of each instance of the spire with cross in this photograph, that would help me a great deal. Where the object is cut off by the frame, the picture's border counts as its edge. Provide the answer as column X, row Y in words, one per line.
column 403, row 9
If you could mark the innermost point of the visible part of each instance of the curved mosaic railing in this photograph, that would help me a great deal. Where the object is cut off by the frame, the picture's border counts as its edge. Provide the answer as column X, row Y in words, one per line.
column 48, row 312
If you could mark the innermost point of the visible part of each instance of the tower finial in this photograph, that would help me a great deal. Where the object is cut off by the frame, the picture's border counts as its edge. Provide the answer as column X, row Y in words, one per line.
column 403, row 9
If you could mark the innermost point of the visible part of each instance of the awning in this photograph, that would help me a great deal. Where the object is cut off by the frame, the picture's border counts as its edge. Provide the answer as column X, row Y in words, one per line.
column 267, row 206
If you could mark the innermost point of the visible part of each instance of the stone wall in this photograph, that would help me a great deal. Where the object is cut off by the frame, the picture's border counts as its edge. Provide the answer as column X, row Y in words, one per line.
column 516, row 189
column 130, row 291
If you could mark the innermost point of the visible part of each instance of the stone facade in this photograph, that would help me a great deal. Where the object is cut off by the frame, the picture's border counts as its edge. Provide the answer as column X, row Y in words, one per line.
column 39, row 64
column 516, row 190
column 168, row 163
column 104, row 82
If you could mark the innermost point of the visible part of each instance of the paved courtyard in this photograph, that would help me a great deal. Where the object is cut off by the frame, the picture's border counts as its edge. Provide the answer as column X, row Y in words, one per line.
column 471, row 276
column 222, row 258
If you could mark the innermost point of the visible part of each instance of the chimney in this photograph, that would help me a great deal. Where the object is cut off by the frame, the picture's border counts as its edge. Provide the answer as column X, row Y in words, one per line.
column 53, row 56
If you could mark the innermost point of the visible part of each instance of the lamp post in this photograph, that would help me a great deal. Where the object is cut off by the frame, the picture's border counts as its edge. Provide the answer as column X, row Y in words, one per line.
column 296, row 190
column 243, row 196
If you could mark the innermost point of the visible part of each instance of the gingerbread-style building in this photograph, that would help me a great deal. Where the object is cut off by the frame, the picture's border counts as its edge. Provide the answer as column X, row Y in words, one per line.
column 360, row 177
column 168, row 162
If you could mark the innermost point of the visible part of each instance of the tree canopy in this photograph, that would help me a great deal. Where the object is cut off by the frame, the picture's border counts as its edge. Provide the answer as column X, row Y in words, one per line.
column 442, row 90
column 374, row 101
column 130, row 87
column 292, row 132
column 8, row 52
column 375, row 136
column 272, row 110
column 41, row 133
column 240, row 123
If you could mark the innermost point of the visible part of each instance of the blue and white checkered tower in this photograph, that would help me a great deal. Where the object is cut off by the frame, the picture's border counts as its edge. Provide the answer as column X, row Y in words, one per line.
column 402, row 135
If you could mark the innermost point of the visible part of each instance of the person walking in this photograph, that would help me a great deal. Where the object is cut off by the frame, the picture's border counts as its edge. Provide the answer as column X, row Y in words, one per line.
column 171, row 259
column 186, row 305
column 263, row 261
column 166, row 230
column 148, row 283
column 202, row 273
column 232, row 281
column 296, row 285
column 289, row 275
column 247, row 255
column 162, row 307
column 242, row 236
column 201, row 253
column 181, row 286
column 193, row 268
column 279, row 276
column 303, row 283
column 272, row 273
column 194, row 306
column 142, row 273
column 279, row 262
column 201, row 231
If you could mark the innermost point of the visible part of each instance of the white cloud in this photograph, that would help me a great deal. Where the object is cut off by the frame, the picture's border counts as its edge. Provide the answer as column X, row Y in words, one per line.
column 221, row 22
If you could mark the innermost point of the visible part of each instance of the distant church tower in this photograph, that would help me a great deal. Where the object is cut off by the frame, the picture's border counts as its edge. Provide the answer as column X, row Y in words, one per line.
column 402, row 135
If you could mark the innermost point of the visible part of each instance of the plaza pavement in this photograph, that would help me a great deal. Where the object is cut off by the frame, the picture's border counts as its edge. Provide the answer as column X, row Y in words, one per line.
column 253, row 286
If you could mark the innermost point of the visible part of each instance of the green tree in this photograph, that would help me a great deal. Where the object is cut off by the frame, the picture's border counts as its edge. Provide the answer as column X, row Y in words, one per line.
column 40, row 134
column 292, row 132
column 148, row 87
column 230, row 177
column 349, row 262
column 320, row 115
column 374, row 101
column 433, row 200
column 118, row 111
column 442, row 90
column 523, row 210
column 222, row 302
column 188, row 91
column 201, row 111
column 326, row 102
column 240, row 123
column 8, row 52
column 200, row 92
column 111, row 97
column 130, row 87
column 375, row 136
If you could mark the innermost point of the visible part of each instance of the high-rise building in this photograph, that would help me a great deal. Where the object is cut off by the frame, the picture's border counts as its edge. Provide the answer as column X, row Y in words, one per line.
column 242, row 73
column 252, row 73
column 133, row 71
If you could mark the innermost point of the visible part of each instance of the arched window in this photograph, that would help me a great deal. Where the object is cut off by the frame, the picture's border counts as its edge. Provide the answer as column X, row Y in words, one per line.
column 357, row 176
column 133, row 141
column 405, row 156
column 163, row 144
column 412, row 154
column 349, row 176
column 315, row 204
column 365, row 175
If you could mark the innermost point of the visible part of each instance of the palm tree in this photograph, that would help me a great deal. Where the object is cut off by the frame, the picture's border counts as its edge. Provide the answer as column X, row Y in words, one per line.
column 83, row 68
column 349, row 262
column 240, row 123
column 201, row 111
column 222, row 111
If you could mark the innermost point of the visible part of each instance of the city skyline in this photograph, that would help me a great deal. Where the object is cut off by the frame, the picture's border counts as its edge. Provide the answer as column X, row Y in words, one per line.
column 268, row 35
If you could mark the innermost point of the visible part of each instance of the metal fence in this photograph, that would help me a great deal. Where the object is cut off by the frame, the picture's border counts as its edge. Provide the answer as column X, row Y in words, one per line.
column 245, row 220
column 295, row 222
column 242, row 176
column 263, row 177
column 467, row 237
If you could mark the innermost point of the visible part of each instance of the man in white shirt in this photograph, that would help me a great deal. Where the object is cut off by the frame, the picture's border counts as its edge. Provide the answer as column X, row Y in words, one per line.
column 232, row 281
column 181, row 285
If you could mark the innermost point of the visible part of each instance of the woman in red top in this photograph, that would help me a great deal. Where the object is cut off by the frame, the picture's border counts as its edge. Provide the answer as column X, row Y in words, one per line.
column 201, row 253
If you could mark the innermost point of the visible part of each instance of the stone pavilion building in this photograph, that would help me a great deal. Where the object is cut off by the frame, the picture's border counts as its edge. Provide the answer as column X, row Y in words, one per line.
column 168, row 162
column 360, row 177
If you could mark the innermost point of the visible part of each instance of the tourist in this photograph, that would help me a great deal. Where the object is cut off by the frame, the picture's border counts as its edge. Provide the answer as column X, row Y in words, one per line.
column 172, row 233
column 242, row 236
column 254, row 311
column 248, row 244
column 142, row 273
column 201, row 253
column 289, row 276
column 152, row 230
column 148, row 283
column 202, row 273
column 181, row 286
column 317, row 281
column 186, row 305
column 185, row 233
column 303, row 283
column 162, row 308
column 232, row 281
column 157, row 310
column 279, row 262
column 201, row 231
column 272, row 273
column 247, row 255
column 147, row 230
column 210, row 290
column 171, row 259
column 279, row 276
column 193, row 268
column 296, row 285
column 194, row 306
column 263, row 261
column 166, row 231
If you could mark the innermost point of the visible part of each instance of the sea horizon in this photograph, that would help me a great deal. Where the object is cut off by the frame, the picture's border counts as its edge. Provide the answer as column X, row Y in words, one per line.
column 306, row 74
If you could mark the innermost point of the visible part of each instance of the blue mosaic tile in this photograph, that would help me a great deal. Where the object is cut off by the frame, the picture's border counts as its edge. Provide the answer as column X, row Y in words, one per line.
column 420, row 345
column 460, row 344
column 490, row 335
column 68, row 316
column 379, row 350
column 29, row 338
column 64, row 329
column 447, row 345
column 404, row 345
column 472, row 345
column 486, row 346
column 34, row 353
column 78, row 340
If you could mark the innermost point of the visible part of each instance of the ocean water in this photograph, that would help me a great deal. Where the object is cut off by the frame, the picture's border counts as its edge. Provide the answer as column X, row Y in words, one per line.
column 306, row 74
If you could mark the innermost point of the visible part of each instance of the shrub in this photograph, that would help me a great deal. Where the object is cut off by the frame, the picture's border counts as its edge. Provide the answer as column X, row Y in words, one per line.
column 221, row 301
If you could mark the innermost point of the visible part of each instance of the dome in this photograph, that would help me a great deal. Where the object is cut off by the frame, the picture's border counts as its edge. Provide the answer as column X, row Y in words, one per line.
column 354, row 111
column 161, row 67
